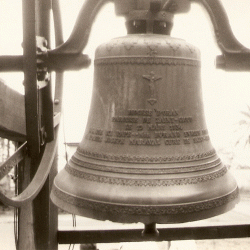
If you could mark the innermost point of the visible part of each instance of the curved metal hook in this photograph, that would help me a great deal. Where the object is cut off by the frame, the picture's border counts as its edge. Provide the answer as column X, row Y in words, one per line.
column 223, row 32
column 37, row 182
column 235, row 56
column 80, row 34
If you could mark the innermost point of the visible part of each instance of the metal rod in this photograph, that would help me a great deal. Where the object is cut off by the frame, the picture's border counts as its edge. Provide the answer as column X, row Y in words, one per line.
column 165, row 234
column 11, row 63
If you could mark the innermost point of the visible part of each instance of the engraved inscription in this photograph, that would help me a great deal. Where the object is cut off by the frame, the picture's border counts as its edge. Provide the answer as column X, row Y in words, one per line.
column 95, row 138
column 144, row 112
column 146, row 142
column 128, row 126
column 187, row 119
column 172, row 142
column 149, row 127
column 201, row 139
column 172, row 112
column 109, row 133
column 115, row 140
column 146, row 120
column 186, row 141
column 123, row 133
column 165, row 134
column 96, row 131
column 141, row 134
column 175, row 127
column 156, row 127
column 126, row 119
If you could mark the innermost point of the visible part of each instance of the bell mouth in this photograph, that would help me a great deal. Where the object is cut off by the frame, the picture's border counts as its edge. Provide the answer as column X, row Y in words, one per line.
column 101, row 198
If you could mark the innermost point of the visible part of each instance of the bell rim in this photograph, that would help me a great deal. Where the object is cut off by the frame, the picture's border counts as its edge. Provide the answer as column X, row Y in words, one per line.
column 160, row 214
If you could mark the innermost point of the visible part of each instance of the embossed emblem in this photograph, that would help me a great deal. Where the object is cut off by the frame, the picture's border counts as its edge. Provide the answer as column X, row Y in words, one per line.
column 173, row 46
column 128, row 44
column 191, row 49
column 110, row 46
column 152, row 47
column 152, row 79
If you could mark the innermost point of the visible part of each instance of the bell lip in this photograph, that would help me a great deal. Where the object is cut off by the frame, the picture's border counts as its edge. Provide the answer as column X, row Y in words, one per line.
column 231, row 199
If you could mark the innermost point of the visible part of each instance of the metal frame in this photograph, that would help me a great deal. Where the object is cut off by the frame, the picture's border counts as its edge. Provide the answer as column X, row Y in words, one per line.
column 165, row 234
column 39, row 163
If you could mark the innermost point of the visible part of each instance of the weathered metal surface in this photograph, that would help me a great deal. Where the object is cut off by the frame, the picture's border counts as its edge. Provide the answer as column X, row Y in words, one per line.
column 146, row 155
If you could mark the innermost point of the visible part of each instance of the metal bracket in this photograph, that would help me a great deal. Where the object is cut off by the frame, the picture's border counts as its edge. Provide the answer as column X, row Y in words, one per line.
column 235, row 57
column 41, row 50
column 68, row 56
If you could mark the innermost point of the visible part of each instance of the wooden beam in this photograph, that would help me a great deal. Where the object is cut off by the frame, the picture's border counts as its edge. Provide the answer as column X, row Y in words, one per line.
column 12, row 114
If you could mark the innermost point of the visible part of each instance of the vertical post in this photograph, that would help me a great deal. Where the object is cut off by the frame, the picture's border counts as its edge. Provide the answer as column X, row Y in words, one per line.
column 38, row 220
column 25, row 213
column 45, row 212
column 30, row 78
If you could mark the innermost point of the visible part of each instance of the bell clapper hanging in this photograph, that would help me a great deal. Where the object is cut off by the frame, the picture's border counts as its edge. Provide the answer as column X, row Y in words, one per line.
column 146, row 154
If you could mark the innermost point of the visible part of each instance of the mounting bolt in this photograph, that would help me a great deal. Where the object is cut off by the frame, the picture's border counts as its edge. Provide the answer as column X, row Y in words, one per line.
column 220, row 62
column 150, row 231
column 57, row 101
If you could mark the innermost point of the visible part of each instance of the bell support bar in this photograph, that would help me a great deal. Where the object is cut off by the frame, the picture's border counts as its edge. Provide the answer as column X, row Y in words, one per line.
column 54, row 61
column 235, row 57
column 80, row 34
column 68, row 56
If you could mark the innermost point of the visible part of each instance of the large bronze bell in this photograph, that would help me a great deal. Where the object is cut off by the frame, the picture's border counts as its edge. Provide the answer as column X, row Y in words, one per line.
column 146, row 155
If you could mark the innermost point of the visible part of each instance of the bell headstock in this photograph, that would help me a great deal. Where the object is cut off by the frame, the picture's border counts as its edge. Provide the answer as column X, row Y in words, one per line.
column 234, row 56
column 173, row 6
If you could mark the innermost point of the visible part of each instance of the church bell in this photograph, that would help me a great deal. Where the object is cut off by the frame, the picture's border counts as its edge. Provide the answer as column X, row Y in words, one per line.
column 146, row 154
